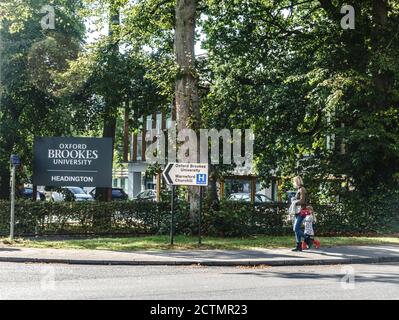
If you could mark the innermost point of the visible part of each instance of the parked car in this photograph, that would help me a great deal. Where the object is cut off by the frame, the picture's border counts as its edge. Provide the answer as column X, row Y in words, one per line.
column 148, row 195
column 27, row 193
column 246, row 197
column 71, row 194
column 118, row 194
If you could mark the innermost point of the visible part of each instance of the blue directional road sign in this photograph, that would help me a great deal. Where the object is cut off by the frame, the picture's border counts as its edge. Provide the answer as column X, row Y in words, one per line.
column 201, row 179
column 186, row 174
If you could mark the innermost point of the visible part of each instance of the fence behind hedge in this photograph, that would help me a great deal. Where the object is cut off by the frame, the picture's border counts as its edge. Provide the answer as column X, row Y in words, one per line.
column 230, row 219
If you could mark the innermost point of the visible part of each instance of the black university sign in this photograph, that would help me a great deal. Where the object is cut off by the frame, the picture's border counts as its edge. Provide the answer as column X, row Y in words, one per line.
column 83, row 162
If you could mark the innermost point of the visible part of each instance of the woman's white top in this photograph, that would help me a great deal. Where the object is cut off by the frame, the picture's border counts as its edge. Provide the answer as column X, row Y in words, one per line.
column 294, row 208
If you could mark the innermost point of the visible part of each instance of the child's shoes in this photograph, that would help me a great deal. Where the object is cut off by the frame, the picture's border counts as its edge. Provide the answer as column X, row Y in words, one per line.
column 308, row 243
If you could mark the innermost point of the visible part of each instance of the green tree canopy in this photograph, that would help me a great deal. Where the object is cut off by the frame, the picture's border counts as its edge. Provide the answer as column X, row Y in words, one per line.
column 322, row 100
column 30, row 58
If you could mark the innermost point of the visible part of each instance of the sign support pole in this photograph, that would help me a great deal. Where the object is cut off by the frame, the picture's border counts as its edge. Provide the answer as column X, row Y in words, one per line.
column 200, row 217
column 12, row 218
column 186, row 174
column 172, row 213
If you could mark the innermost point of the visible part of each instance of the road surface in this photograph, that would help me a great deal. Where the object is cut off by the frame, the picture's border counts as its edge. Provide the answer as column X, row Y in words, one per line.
column 39, row 281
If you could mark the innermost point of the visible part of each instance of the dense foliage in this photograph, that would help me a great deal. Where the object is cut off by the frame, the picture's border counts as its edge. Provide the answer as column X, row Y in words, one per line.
column 231, row 219
column 31, row 57
column 322, row 100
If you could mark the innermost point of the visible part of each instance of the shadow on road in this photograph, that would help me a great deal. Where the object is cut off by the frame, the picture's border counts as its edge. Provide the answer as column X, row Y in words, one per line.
column 359, row 252
column 9, row 249
column 359, row 277
column 222, row 254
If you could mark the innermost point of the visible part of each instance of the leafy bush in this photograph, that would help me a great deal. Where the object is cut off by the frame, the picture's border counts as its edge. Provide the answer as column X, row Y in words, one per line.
column 230, row 219
column 241, row 218
column 83, row 218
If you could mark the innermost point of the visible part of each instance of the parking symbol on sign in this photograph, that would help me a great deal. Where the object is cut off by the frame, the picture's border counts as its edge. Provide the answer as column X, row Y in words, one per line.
column 201, row 179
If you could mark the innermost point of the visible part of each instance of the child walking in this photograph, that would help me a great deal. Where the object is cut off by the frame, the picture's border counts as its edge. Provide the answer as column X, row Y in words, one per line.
column 309, row 231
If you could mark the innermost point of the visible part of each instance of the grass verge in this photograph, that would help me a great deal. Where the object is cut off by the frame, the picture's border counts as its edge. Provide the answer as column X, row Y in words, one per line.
column 189, row 243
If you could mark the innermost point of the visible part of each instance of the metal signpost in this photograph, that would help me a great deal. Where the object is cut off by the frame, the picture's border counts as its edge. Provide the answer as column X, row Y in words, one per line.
column 200, row 218
column 186, row 174
column 172, row 210
column 15, row 162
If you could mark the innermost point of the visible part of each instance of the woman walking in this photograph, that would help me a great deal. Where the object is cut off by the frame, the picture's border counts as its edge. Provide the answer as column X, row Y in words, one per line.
column 302, row 201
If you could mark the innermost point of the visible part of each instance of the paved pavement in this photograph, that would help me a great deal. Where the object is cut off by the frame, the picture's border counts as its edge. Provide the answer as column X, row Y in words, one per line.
column 60, row 281
column 272, row 257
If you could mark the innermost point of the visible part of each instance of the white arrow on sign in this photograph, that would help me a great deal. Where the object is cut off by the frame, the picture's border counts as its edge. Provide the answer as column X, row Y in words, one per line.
column 186, row 174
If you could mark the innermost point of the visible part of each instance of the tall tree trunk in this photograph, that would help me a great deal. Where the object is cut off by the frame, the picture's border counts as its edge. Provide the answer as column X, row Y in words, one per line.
column 110, row 113
column 186, row 91
column 109, row 130
column 103, row 220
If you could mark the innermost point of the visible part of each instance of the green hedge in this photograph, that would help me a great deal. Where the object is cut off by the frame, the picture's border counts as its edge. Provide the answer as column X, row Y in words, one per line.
column 46, row 218
column 230, row 219
column 239, row 218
